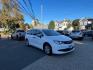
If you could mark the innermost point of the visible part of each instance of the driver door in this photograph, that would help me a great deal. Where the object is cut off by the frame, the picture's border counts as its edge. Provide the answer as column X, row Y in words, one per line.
column 38, row 41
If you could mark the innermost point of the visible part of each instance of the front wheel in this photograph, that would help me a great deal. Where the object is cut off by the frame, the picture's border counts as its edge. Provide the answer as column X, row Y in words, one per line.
column 48, row 49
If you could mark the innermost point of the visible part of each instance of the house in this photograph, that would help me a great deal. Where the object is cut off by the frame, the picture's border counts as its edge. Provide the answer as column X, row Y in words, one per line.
column 89, row 24
column 83, row 22
column 62, row 25
column 86, row 23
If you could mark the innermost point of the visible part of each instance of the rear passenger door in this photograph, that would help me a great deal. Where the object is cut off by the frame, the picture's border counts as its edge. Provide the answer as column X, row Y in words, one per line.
column 29, row 36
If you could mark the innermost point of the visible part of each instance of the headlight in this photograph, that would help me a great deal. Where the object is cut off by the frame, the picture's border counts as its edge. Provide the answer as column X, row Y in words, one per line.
column 58, row 42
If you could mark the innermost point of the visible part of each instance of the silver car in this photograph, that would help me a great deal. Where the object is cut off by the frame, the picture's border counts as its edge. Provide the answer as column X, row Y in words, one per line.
column 18, row 34
column 76, row 34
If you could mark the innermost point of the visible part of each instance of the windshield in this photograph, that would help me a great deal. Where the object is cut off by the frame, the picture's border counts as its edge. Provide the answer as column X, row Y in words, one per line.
column 51, row 33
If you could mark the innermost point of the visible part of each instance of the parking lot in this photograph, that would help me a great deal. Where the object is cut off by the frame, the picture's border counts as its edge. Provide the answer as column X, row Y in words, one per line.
column 14, row 55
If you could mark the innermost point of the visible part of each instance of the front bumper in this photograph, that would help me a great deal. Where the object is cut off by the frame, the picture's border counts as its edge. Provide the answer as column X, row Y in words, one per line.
column 63, row 49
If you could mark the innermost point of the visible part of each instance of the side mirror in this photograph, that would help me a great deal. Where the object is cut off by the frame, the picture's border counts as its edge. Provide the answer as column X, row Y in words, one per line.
column 41, row 35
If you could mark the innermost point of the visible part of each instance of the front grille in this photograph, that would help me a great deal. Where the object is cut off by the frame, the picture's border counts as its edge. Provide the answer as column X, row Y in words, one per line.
column 68, row 42
column 67, row 49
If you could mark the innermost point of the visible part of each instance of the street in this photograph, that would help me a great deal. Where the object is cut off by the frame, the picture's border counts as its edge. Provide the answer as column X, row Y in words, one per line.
column 14, row 55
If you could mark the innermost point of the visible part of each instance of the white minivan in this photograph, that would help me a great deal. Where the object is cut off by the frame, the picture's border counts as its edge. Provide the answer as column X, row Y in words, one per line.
column 50, row 41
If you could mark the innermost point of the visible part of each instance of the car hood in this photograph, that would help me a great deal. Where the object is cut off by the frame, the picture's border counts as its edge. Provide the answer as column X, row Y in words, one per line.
column 59, row 38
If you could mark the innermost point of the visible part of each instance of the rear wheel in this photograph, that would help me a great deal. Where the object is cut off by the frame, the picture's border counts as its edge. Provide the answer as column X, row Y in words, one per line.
column 47, row 49
column 27, row 43
column 92, row 38
column 17, row 37
column 12, row 37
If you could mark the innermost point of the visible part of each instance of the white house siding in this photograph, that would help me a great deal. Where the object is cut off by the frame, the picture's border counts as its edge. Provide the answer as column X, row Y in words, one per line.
column 61, row 25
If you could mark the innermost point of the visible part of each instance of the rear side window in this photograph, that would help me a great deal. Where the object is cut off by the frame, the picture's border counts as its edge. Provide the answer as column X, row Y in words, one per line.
column 20, row 31
column 31, row 32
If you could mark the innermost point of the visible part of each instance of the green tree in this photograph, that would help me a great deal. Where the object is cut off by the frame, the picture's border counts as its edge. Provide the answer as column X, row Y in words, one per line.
column 76, row 24
column 22, row 26
column 31, row 26
column 51, row 25
column 69, row 25
column 9, row 15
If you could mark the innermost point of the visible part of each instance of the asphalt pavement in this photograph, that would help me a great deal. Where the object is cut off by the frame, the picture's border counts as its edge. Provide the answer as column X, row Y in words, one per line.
column 14, row 55
column 80, row 59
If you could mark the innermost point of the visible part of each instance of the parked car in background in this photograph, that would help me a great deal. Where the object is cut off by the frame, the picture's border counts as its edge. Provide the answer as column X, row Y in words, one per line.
column 92, row 34
column 63, row 32
column 18, row 34
column 76, row 34
column 88, row 33
column 49, row 41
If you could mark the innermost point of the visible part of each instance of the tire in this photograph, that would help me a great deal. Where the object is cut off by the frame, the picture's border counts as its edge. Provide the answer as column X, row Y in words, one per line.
column 17, row 38
column 47, row 49
column 92, row 38
column 27, row 43
column 12, row 37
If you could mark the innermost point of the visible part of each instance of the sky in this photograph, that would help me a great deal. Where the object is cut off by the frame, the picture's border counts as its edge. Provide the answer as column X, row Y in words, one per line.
column 61, row 9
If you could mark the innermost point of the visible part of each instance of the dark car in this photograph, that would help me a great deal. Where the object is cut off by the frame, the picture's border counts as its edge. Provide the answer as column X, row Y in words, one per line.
column 92, row 35
column 88, row 33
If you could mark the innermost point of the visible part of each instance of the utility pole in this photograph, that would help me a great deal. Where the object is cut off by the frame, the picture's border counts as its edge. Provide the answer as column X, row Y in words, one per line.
column 41, row 11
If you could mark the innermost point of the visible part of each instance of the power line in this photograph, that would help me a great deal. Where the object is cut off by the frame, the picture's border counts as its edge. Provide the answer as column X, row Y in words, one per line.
column 26, row 4
column 23, row 6
column 23, row 9
column 30, row 4
column 42, row 10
